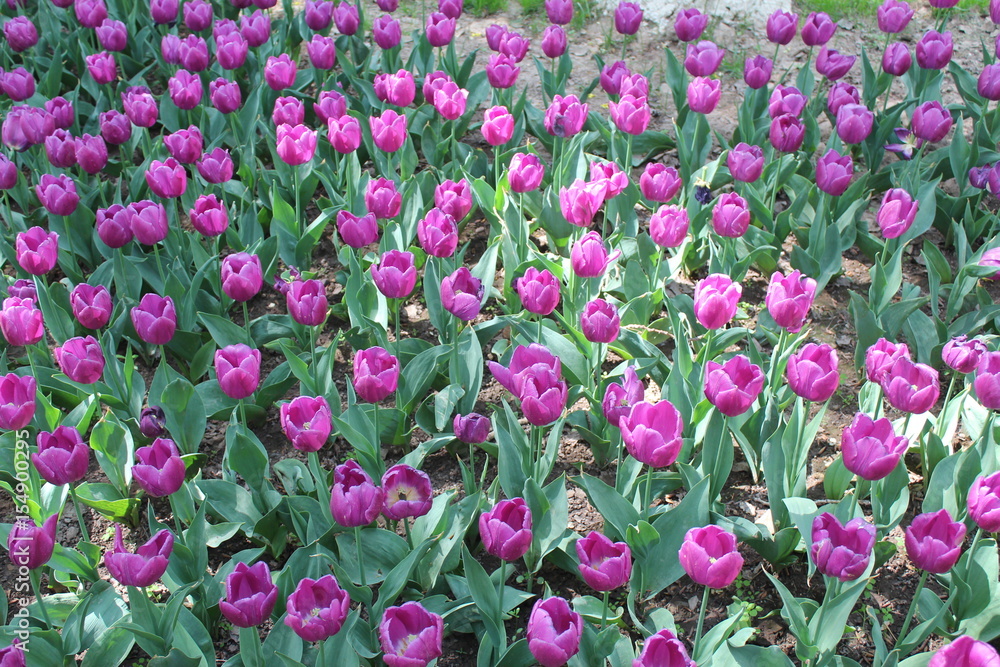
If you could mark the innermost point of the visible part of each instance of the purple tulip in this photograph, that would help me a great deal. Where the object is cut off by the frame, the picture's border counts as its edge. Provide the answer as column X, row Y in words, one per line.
column 25, row 126
column 631, row 115
column 197, row 15
column 91, row 305
column 608, row 179
column 730, row 216
column 934, row 541
column 317, row 608
column 818, row 29
column 911, row 387
column 896, row 214
column 715, row 300
column 703, row 59
column 102, row 67
column 13, row 655
column 628, row 18
column 62, row 457
column 438, row 233
column 789, row 299
column 841, row 94
column 781, row 27
column 987, row 382
column 934, row 50
column 757, row 71
column 472, row 429
column 410, row 635
column 988, row 84
column 501, row 71
column 225, row 95
column 896, row 59
column 462, row 294
column 841, row 550
column 20, row 33
column 62, row 112
column 355, row 501
column 318, row 14
column 116, row 128
column 242, row 276
column 931, row 121
column 17, row 401
column 148, row 221
column 554, row 630
column 18, row 84
column 376, row 374
column 663, row 649
column 514, row 46
column 812, row 372
column 388, row 130
column 57, row 194
column 60, row 149
column 534, row 376
column 81, row 359
column 250, row 595
column 604, row 565
column 21, row 321
column 786, row 133
column 185, row 89
column 209, row 217
column 166, row 179
column 581, row 201
column 344, row 133
column 963, row 354
column 387, row 32
column 652, row 433
column 498, row 126
column 984, row 502
column 832, row 64
column 454, row 198
column 733, row 386
column 185, row 146
column 554, row 41
column 893, row 16
column 145, row 566
column 991, row 258
column 880, row 357
column 231, row 50
column 967, row 652
column 408, row 493
column 834, row 172
column 710, row 557
column 153, row 422
column 703, row 94
column 37, row 251
column 689, row 24
column 399, row 88
column 30, row 545
column 854, row 123
column 160, row 470
column 279, row 72
column 871, row 448
column 216, row 166
column 538, row 291
column 238, row 370
column 600, row 322
column 296, row 144
column 659, row 182
column 620, row 397
column 307, row 422
column 559, row 12
column 114, row 225
column 506, row 529
column 668, row 226
column 140, row 106
column 745, row 162
column 395, row 275
column 449, row 100
column 525, row 172
column 589, row 257
column 163, row 11
column 288, row 111
column 439, row 29
column 357, row 231
column 566, row 116
column 155, row 319
column 9, row 172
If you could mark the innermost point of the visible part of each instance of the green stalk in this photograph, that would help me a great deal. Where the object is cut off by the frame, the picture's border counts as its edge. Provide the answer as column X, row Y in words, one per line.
column 36, row 587
column 913, row 605
column 701, row 620
column 649, row 489
column 503, row 584
column 604, row 611
column 972, row 550
column 298, row 212
column 406, row 531
column 313, row 365
column 79, row 513
column 361, row 554
column 246, row 321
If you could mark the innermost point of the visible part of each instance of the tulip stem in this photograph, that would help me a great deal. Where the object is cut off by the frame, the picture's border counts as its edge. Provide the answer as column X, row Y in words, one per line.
column 246, row 322
column 539, row 340
column 604, row 611
column 295, row 193
column 701, row 620
column 503, row 584
column 243, row 412
column 361, row 554
column 322, row 654
column 406, row 531
column 878, row 404
column 313, row 365
column 913, row 606
column 649, row 490
column 159, row 266
column 944, row 406
column 36, row 587
column 79, row 514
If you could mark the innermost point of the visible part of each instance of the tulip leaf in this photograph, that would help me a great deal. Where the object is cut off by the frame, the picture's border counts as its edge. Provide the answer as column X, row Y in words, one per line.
column 662, row 568
column 111, row 647
column 176, row 658
column 107, row 500
column 185, row 413
column 616, row 510
column 485, row 596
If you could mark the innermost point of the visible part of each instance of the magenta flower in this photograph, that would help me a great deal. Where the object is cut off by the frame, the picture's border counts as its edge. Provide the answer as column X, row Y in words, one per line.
column 732, row 387
column 408, row 492
column 812, row 372
column 689, row 24
column 566, row 116
column 357, row 231
column 525, row 172
column 581, row 201
column 506, row 529
column 934, row 541
column 30, row 545
column 716, row 298
column 145, row 566
column 317, row 608
column 237, row 368
column 880, row 357
column 669, row 225
column 710, row 557
column 967, row 652
column 731, row 216
column 57, row 194
column 306, row 302
column 307, row 422
column 703, row 95
column 438, row 233
column 355, row 501
column 589, row 257
column 599, row 321
column 984, row 502
column 250, row 595
column 987, row 382
column 155, row 319
column 81, row 359
column 462, row 294
column 663, row 648
column 620, row 397
column 410, row 635
column 538, row 291
column 871, row 448
column 911, row 387
column 554, row 631
column 296, row 144
column 17, row 401
column 818, row 29
column 382, row 198
column 789, row 299
column 604, row 565
column 21, row 321
column 388, row 130
column 631, row 114
column 628, row 18
column 896, row 214
column 652, row 433
column 376, row 374
column 842, row 551
column 834, row 172
column 472, row 429
column 37, row 251
column 395, row 275
column 62, row 457
column 160, row 469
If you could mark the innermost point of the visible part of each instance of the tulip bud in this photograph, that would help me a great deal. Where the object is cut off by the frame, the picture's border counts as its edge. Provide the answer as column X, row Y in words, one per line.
column 896, row 214
column 296, row 144
column 160, row 470
column 37, row 251
column 21, row 321
column 745, row 162
column 733, row 386
column 854, row 123
column 538, row 291
column 17, row 401
column 462, row 294
column 376, row 374
column 140, row 106
column 589, row 257
column 30, row 545
column 506, row 529
column 395, row 275
column 934, row 541
column 225, row 95
column 472, row 429
column 604, row 565
column 565, row 116
column 355, row 501
column 893, row 16
column 554, row 41
column 387, row 32
column 668, row 226
column 317, row 608
column 155, row 319
column 703, row 94
column 410, row 635
column 689, row 24
column 237, row 368
column 256, row 29
column 628, row 18
column 62, row 457
column 818, row 29
column 501, row 71
column 148, row 221
column 440, row 29
column 525, row 172
column 652, row 433
column 498, row 126
column 715, row 300
column 242, row 276
column 703, row 59
column 20, row 33
column 963, row 354
column 554, row 629
column 931, row 121
column 787, row 133
column 781, row 27
column 454, row 198
column 896, row 59
column 871, row 448
column 81, row 359
column 757, row 71
column 57, row 194
column 730, row 215
column 600, row 322
column 987, row 382
column 357, row 231
column 834, row 172
column 934, row 50
column 841, row 550
column 153, row 422
column 789, row 299
column 832, row 64
column 344, row 133
column 209, row 216
column 91, row 305
column 166, row 179
column 631, row 114
column 580, row 202
column 812, row 372
column 559, row 12
column 250, row 595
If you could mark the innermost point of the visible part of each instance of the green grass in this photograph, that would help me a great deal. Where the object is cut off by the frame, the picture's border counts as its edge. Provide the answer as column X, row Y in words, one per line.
column 485, row 7
column 838, row 9
column 532, row 6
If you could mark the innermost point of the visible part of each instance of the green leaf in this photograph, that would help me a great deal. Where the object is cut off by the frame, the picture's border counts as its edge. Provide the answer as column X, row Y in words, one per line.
column 662, row 568
column 485, row 596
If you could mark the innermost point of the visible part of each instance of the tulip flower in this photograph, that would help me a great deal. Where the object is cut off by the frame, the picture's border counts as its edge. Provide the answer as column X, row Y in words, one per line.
column 967, row 652
column 8, row 173
column 619, row 398
column 715, row 300
column 62, row 457
column 554, row 41
column 988, row 84
column 538, row 291
column 279, row 72
column 607, row 180
column 462, row 294
column 880, row 357
column 812, row 372
column 344, row 133
column 786, row 133
column 652, row 433
column 250, row 595
column 559, row 12
column 818, row 29
column 963, row 354
column 306, row 302
column 934, row 50
column 733, row 386
column 225, row 95
column 21, row 321
column 256, row 28
column 395, row 275
column 834, row 172
column 438, row 233
column 659, row 182
column 81, row 359
column 355, row 501
column 604, row 565
column 20, row 33
column 789, row 299
column 757, row 71
column 408, row 493
column 710, row 557
column 628, row 18
column 987, row 382
column 307, row 422
column 185, row 146
column 454, row 198
column 581, row 201
column 501, row 71
column 745, row 162
column 449, row 100
column 934, row 541
column 703, row 59
column 565, row 116
column 388, row 131
column 57, row 194
column 317, row 608
column 832, row 64
column 145, row 566
column 153, row 422
column 781, row 27
column 498, row 126
column 668, row 226
column 842, row 551
column 854, row 124
column 17, row 401
column 931, row 121
column 197, row 15
column 842, row 94
column 238, row 370
column 525, row 172
column 140, row 106
column 30, row 545
column 589, row 257
column 18, row 84
column 160, row 469
column 296, row 144
column 210, row 217
column 216, row 166
column 984, row 502
column 387, row 32
column 612, row 75
column 155, row 319
column 893, row 16
column 506, row 529
column 37, row 251
column 663, row 648
column 871, row 448
column 166, row 178
column 472, row 429
column 322, row 52
column 376, row 374
column 703, row 94
column 896, row 59
column 911, row 387
column 357, row 231
column 786, row 100
column 689, row 24
column 554, row 631
column 600, row 322
column 896, row 214
column 382, row 198
column 410, row 635
column 730, row 215
column 60, row 149
column 148, row 221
